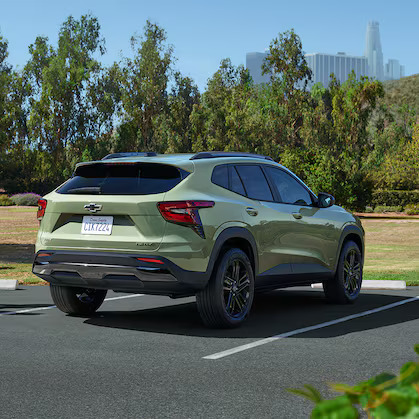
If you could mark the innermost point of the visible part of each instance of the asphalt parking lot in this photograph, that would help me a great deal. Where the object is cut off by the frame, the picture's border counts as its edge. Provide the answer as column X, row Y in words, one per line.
column 150, row 357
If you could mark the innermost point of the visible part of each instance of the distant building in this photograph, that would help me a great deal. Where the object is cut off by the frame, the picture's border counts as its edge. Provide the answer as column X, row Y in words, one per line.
column 393, row 70
column 254, row 61
column 341, row 65
column 373, row 51
column 322, row 65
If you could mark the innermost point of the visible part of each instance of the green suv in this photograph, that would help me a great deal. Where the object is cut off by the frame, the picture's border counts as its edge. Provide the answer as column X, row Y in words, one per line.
column 213, row 224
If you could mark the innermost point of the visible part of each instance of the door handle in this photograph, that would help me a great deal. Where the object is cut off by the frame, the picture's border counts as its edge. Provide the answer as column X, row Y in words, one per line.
column 297, row 215
column 252, row 211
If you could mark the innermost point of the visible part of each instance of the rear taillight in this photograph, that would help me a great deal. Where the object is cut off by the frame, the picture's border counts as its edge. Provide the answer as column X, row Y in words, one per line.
column 185, row 213
column 42, row 204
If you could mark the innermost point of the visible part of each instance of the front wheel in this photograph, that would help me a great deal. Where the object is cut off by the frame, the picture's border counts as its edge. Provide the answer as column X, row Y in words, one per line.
column 346, row 285
column 228, row 296
column 77, row 301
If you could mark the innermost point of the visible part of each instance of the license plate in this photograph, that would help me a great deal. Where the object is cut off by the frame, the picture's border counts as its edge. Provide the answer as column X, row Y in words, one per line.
column 95, row 224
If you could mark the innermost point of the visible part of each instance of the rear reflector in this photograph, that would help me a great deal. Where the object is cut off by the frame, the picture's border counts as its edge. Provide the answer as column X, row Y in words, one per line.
column 42, row 204
column 41, row 255
column 151, row 260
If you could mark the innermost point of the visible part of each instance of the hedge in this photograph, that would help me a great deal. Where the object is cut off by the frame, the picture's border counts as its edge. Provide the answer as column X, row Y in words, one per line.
column 394, row 198
column 27, row 198
column 5, row 201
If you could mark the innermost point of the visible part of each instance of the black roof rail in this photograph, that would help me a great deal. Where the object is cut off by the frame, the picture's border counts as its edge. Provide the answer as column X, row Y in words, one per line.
column 214, row 154
column 130, row 154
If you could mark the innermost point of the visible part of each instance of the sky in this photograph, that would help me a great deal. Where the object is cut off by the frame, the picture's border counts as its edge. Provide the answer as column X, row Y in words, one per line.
column 205, row 32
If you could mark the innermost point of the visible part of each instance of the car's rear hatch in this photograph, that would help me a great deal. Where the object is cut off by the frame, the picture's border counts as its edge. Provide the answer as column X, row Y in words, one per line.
column 110, row 205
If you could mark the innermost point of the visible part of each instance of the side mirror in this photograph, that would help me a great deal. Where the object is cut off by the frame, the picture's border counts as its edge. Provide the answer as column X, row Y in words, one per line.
column 324, row 200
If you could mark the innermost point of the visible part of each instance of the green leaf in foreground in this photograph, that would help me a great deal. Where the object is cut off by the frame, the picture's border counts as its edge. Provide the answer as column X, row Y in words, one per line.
column 338, row 408
column 385, row 396
column 311, row 393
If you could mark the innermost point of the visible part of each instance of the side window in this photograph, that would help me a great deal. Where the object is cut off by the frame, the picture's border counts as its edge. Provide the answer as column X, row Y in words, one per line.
column 220, row 176
column 255, row 182
column 290, row 190
column 236, row 183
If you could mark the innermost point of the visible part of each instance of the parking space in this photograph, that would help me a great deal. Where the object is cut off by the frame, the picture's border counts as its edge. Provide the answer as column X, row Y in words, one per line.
column 148, row 357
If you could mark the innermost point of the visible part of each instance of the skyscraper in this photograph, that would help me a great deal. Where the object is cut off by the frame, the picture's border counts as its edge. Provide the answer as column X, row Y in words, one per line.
column 254, row 61
column 340, row 64
column 373, row 51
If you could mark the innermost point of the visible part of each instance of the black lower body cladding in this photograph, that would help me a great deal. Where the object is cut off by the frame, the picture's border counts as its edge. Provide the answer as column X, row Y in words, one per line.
column 118, row 272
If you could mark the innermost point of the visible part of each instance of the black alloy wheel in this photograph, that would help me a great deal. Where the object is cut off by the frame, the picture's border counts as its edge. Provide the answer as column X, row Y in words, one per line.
column 346, row 285
column 227, row 299
column 236, row 289
column 352, row 273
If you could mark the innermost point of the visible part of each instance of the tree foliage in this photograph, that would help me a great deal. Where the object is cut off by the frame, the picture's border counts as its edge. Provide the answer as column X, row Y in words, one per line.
column 64, row 106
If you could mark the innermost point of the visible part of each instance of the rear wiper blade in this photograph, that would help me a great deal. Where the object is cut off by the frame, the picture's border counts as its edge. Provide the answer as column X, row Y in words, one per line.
column 86, row 190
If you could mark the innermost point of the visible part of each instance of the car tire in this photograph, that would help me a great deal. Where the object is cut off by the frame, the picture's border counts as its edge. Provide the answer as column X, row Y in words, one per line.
column 345, row 287
column 226, row 300
column 77, row 301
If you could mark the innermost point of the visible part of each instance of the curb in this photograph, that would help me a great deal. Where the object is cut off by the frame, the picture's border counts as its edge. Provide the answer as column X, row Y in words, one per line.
column 376, row 285
column 8, row 284
column 385, row 216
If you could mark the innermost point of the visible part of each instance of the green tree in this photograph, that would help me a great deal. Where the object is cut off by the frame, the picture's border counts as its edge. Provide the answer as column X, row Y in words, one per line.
column 177, row 126
column 63, row 119
column 144, row 81
column 218, row 120
column 401, row 170
column 336, row 141
column 5, row 76
column 290, row 75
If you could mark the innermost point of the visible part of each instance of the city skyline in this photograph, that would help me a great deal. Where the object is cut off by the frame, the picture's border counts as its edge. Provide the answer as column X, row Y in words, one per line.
column 370, row 64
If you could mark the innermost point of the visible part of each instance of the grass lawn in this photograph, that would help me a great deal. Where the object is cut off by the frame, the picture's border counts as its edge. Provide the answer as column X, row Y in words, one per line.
column 392, row 247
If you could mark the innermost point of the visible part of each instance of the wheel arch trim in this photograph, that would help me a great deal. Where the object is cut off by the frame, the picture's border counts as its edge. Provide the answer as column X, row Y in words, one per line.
column 349, row 230
column 233, row 233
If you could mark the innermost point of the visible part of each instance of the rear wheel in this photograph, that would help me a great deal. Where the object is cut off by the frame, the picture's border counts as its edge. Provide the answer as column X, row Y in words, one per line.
column 346, row 285
column 77, row 301
column 228, row 296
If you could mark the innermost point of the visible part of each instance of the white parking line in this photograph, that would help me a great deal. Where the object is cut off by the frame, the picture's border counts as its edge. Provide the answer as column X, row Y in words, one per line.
column 28, row 310
column 247, row 346
column 123, row 296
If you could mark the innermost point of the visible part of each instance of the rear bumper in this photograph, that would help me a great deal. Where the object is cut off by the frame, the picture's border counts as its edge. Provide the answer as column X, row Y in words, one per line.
column 117, row 271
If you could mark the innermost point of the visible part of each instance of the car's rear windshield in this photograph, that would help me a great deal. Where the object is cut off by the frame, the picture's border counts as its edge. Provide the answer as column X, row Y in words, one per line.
column 123, row 179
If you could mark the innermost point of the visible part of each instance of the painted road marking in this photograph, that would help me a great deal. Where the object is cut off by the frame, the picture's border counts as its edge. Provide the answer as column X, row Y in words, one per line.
column 28, row 310
column 251, row 345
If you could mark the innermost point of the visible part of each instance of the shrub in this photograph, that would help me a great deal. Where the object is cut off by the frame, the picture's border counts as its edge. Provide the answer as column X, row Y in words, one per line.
column 5, row 201
column 28, row 198
column 389, row 197
column 412, row 209
column 384, row 396
column 368, row 209
column 388, row 208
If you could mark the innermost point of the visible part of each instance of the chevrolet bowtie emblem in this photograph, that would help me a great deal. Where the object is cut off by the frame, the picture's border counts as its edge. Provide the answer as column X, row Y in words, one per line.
column 93, row 207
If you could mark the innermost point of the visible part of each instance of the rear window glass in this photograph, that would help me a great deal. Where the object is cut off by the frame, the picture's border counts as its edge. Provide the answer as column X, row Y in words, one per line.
column 123, row 179
column 255, row 182
column 220, row 176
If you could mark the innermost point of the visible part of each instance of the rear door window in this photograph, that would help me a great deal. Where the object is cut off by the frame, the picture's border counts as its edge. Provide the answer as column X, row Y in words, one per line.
column 254, row 182
column 123, row 179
